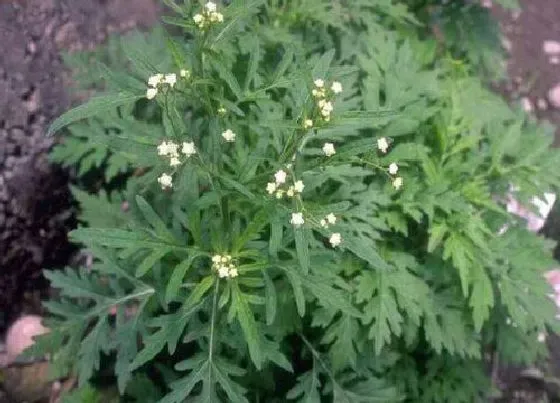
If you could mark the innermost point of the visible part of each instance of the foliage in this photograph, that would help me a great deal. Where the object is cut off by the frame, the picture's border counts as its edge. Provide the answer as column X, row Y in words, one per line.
column 424, row 281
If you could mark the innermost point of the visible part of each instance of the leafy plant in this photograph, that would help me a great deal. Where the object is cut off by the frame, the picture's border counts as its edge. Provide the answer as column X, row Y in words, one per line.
column 317, row 214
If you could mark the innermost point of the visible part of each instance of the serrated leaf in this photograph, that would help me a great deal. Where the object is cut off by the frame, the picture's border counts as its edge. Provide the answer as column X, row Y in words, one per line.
column 95, row 106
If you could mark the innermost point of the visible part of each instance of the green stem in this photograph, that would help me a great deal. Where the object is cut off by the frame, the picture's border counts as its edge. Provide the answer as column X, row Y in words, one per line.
column 212, row 320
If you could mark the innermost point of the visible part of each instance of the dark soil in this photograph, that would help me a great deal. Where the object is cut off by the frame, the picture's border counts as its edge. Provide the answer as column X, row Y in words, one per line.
column 35, row 207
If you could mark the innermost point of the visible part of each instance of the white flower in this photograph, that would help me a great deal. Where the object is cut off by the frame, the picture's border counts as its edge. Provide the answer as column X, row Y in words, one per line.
column 298, row 186
column 210, row 6
column 328, row 149
column 393, row 168
column 198, row 19
column 172, row 149
column 382, row 145
column 279, row 194
column 271, row 187
column 397, row 182
column 188, row 149
column 335, row 239
column 216, row 17
column 216, row 259
column 336, row 87
column 290, row 192
column 225, row 259
column 163, row 149
column 297, row 219
column 174, row 161
column 151, row 93
column 171, row 79
column 319, row 83
column 326, row 108
column 308, row 123
column 228, row 135
column 154, row 80
column 184, row 73
column 331, row 218
column 166, row 181
column 541, row 338
column 223, row 271
column 222, row 110
column 324, row 223
column 233, row 272
column 280, row 177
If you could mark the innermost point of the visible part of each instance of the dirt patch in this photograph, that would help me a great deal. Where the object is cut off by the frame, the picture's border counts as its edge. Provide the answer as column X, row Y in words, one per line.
column 35, row 207
column 533, row 72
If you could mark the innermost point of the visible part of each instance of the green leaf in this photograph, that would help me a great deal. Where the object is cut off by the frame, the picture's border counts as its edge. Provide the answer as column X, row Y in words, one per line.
column 177, row 276
column 154, row 220
column 302, row 248
column 271, row 302
column 248, row 324
column 95, row 106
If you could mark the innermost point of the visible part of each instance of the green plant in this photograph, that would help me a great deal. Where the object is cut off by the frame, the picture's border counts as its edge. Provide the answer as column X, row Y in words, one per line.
column 218, row 285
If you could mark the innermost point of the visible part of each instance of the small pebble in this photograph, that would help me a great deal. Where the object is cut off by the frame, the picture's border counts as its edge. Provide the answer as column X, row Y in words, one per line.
column 551, row 47
column 554, row 96
column 526, row 104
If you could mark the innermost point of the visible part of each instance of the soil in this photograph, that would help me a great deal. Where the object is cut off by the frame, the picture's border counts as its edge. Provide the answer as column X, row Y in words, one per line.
column 35, row 207
column 532, row 72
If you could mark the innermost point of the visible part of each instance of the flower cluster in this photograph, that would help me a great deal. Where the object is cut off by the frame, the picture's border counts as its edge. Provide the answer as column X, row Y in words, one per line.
column 229, row 136
column 328, row 149
column 224, row 266
column 323, row 96
column 330, row 219
column 170, row 150
column 159, row 81
column 208, row 16
column 280, row 182
column 397, row 181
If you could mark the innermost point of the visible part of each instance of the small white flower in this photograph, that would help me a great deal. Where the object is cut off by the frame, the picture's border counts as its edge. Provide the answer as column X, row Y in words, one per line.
column 541, row 338
column 336, row 87
column 198, row 19
column 290, row 192
column 151, row 93
column 331, row 218
column 210, row 6
column 225, row 259
column 279, row 194
column 223, row 271
column 308, row 123
column 335, row 239
column 228, row 135
column 393, row 168
column 319, row 83
column 163, row 149
column 184, row 73
column 216, row 259
column 188, row 149
column 324, row 223
column 216, row 17
column 328, row 149
column 233, row 272
column 382, row 145
column 280, row 177
column 326, row 108
column 297, row 219
column 397, row 182
column 174, row 161
column 166, row 181
column 172, row 149
column 222, row 110
column 271, row 187
column 154, row 80
column 171, row 79
column 298, row 186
